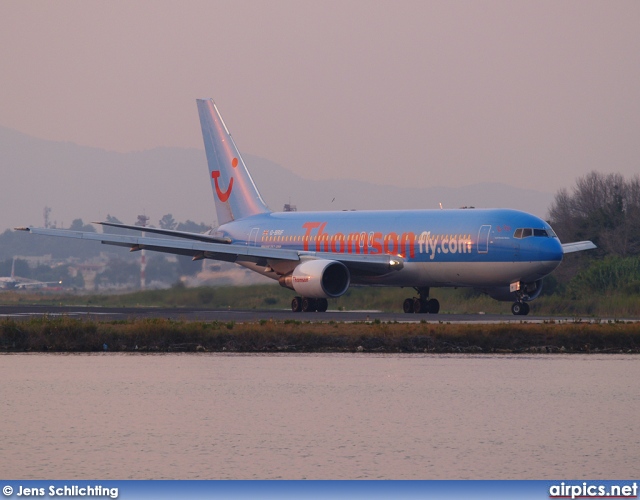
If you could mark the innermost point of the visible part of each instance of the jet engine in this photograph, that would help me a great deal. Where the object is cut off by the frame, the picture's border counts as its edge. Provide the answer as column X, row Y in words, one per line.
column 528, row 291
column 318, row 279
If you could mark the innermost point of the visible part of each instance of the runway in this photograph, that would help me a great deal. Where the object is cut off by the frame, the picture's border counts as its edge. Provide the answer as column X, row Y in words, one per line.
column 23, row 312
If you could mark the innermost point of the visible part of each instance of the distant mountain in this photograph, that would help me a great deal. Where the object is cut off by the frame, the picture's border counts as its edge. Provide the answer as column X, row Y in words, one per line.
column 89, row 183
column 279, row 185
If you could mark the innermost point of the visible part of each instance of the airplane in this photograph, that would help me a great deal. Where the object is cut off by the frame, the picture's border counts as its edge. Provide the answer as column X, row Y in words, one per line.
column 14, row 282
column 319, row 255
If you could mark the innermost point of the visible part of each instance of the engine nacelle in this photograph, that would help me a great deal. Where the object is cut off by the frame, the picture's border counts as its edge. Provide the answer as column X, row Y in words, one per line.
column 318, row 279
column 528, row 291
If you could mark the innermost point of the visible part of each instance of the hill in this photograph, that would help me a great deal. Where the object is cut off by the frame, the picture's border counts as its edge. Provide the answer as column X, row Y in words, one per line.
column 90, row 183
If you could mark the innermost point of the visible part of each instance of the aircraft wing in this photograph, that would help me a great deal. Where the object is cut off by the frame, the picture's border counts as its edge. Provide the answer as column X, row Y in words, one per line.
column 578, row 246
column 229, row 252
column 27, row 284
column 169, row 232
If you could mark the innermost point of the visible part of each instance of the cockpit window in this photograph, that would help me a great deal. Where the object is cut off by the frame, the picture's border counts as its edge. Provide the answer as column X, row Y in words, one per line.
column 526, row 232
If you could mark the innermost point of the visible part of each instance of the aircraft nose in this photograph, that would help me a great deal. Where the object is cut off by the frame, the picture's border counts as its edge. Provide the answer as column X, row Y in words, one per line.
column 549, row 256
column 552, row 251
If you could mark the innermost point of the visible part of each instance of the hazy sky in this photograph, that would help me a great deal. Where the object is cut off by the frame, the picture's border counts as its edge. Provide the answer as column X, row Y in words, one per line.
column 410, row 93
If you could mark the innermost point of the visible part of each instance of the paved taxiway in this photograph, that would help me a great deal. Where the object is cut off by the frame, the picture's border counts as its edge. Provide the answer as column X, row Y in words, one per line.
column 240, row 316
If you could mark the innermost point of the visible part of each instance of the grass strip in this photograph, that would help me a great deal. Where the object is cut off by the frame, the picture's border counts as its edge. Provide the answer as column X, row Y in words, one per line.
column 65, row 334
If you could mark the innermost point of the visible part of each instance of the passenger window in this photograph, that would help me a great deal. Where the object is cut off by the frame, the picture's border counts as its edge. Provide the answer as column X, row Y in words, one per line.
column 527, row 232
column 518, row 233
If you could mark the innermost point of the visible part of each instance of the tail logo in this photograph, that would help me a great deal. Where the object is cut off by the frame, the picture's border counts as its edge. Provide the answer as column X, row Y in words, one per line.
column 224, row 196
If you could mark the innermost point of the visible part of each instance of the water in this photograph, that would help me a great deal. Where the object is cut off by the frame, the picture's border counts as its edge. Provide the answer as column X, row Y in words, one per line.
column 315, row 416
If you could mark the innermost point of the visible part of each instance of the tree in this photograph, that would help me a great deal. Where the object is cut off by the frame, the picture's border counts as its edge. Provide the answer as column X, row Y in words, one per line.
column 603, row 208
column 192, row 227
column 119, row 272
column 167, row 222
column 78, row 225
column 159, row 269
column 114, row 230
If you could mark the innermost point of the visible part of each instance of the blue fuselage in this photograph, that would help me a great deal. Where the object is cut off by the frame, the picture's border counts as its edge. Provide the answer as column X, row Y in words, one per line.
column 465, row 247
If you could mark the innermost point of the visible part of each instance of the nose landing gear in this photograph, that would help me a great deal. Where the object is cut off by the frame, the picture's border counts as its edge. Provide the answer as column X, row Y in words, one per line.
column 520, row 308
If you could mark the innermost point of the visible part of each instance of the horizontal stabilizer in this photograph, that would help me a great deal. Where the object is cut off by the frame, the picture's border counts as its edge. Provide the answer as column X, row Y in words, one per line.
column 577, row 246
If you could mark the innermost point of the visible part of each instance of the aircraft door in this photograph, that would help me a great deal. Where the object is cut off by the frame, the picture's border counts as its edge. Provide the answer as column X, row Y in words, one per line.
column 253, row 237
column 483, row 239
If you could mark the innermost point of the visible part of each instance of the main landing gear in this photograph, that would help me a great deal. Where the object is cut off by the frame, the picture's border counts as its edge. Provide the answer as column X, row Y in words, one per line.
column 422, row 304
column 306, row 304
column 520, row 308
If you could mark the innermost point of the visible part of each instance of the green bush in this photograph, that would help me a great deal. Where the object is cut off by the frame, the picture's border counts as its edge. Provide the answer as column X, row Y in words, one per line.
column 612, row 274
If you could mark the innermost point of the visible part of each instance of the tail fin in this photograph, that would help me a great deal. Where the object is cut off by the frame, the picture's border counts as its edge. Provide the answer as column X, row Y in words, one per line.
column 235, row 193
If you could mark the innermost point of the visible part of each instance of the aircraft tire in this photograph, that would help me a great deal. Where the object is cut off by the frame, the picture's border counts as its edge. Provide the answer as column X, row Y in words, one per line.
column 518, row 308
column 308, row 305
column 525, row 309
column 322, row 305
column 433, row 306
column 407, row 306
column 296, row 304
column 419, row 306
